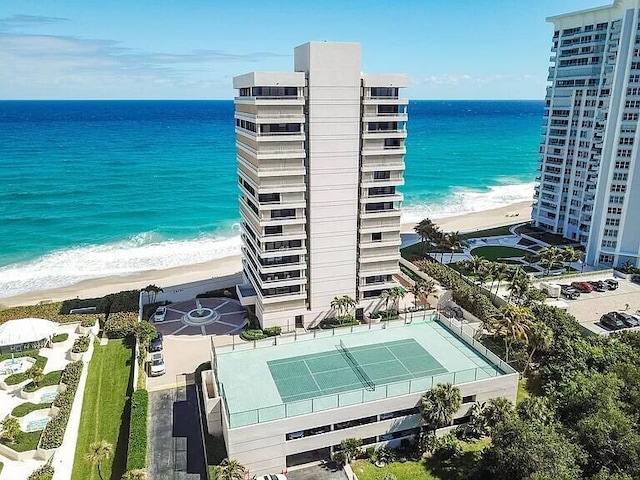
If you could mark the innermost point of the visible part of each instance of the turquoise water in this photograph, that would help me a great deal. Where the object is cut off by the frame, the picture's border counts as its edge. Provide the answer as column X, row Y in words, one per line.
column 95, row 188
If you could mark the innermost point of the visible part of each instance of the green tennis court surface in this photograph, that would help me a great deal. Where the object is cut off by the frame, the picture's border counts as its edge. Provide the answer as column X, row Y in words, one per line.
column 325, row 373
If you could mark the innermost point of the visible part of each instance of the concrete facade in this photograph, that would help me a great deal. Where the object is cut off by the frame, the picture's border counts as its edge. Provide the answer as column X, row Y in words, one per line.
column 273, row 446
column 320, row 154
column 589, row 182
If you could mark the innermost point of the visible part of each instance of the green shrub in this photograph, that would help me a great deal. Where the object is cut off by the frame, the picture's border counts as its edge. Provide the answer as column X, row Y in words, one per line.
column 137, row 452
column 51, row 378
column 119, row 325
column 61, row 337
column 252, row 334
column 272, row 331
column 89, row 322
column 221, row 292
column 45, row 472
column 50, row 311
column 26, row 408
column 17, row 378
column 53, row 433
column 337, row 322
column 254, row 323
column 125, row 301
column 81, row 344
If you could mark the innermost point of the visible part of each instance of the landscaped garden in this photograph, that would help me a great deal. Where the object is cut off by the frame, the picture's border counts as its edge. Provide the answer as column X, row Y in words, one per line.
column 105, row 415
column 496, row 252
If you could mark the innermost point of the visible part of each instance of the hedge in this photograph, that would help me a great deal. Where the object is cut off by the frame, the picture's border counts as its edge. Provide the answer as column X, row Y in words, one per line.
column 252, row 334
column 272, row 331
column 45, row 472
column 53, row 433
column 120, row 325
column 468, row 296
column 137, row 451
column 343, row 321
column 125, row 301
column 50, row 311
column 221, row 292
column 17, row 378
column 81, row 344
column 89, row 322
column 26, row 408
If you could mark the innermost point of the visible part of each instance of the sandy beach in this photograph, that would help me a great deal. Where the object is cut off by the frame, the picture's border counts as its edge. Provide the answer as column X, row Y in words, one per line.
column 514, row 213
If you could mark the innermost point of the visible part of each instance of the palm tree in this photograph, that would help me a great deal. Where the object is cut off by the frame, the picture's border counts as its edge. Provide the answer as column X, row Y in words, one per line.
column 422, row 287
column 36, row 374
column 512, row 323
column 152, row 291
column 438, row 405
column 350, row 448
column 139, row 474
column 9, row 428
column 337, row 304
column 501, row 272
column 571, row 255
column 424, row 229
column 519, row 284
column 550, row 256
column 540, row 339
column 99, row 452
column 349, row 303
column 475, row 263
column 230, row 470
column 455, row 242
column 484, row 273
column 496, row 411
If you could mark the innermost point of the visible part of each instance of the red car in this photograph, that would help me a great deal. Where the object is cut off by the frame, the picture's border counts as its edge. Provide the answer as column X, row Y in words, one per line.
column 584, row 287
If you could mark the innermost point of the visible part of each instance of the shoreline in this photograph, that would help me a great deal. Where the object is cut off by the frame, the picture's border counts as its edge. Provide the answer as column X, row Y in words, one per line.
column 97, row 287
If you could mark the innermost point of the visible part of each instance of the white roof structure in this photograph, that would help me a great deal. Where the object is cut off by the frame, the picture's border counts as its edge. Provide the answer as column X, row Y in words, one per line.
column 26, row 330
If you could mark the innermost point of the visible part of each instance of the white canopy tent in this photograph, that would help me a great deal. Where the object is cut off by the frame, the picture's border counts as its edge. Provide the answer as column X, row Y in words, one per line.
column 26, row 330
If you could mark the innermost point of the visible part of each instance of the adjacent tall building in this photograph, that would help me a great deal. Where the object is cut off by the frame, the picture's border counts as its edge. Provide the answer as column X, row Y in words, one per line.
column 589, row 182
column 320, row 158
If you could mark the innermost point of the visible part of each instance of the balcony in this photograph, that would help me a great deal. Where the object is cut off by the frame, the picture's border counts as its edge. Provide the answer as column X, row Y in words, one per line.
column 376, row 134
column 379, row 255
column 369, row 100
column 266, row 100
column 389, row 197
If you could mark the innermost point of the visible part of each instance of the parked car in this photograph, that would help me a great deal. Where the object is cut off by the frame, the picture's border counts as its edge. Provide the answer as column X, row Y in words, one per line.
column 155, row 345
column 584, row 287
column 635, row 278
column 629, row 320
column 612, row 320
column 161, row 312
column 611, row 283
column 569, row 292
column 156, row 365
column 272, row 476
column 599, row 286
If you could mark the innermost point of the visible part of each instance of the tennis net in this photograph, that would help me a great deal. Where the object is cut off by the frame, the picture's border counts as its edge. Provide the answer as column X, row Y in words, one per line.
column 357, row 369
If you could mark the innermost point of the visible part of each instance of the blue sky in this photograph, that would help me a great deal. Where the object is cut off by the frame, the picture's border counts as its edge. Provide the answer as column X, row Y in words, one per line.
column 192, row 48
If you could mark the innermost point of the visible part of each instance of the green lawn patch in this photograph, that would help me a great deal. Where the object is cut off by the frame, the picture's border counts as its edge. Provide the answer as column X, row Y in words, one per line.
column 137, row 453
column 409, row 273
column 25, row 408
column 429, row 469
column 493, row 253
column 489, row 232
column 17, row 378
column 61, row 337
column 51, row 378
column 523, row 392
column 24, row 441
column 105, row 409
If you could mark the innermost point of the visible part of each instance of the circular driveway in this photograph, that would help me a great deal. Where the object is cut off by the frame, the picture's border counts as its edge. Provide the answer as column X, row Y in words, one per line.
column 213, row 316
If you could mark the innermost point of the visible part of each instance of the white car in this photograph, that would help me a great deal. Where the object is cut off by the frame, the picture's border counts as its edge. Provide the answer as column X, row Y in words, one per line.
column 156, row 364
column 272, row 476
column 161, row 312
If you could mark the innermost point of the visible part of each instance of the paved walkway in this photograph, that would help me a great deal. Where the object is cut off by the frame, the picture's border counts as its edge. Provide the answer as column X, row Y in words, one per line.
column 175, row 442
column 204, row 316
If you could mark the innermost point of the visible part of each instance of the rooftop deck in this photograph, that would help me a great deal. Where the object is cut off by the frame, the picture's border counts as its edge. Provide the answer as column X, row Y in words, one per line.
column 327, row 369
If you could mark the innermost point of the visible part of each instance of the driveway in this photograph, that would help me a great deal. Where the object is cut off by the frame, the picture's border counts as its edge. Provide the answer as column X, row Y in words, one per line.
column 176, row 451
column 317, row 472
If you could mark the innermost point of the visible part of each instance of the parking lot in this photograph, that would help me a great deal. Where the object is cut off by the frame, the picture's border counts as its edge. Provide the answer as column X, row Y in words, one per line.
column 589, row 307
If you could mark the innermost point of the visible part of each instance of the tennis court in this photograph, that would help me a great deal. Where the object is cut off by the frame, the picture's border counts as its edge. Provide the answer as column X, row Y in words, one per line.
column 350, row 368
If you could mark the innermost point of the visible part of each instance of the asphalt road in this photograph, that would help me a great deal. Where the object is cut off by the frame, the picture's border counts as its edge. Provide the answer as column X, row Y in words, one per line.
column 175, row 442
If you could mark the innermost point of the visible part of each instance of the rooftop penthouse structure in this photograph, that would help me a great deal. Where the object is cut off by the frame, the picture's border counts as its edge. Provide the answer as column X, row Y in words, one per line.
column 588, row 188
column 305, row 393
column 320, row 159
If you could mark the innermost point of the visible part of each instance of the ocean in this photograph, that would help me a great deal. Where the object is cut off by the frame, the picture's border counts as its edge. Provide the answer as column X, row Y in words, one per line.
column 96, row 188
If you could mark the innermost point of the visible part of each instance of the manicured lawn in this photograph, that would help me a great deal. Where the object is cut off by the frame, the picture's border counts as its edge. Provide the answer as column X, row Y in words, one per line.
column 105, row 406
column 25, row 408
column 490, row 232
column 61, row 337
column 493, row 253
column 51, row 378
column 422, row 470
column 24, row 441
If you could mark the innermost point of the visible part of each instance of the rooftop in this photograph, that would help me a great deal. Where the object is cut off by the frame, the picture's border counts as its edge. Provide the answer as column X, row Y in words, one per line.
column 323, row 370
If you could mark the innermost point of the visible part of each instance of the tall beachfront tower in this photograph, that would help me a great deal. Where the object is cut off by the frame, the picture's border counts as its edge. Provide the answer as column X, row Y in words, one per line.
column 320, row 156
column 589, row 181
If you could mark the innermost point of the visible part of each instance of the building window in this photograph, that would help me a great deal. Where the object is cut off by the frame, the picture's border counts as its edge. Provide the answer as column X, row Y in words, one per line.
column 384, row 92
column 355, row 423
column 273, row 230
column 400, row 434
column 382, row 175
column 469, row 399
column 376, row 237
column 461, row 420
column 399, row 413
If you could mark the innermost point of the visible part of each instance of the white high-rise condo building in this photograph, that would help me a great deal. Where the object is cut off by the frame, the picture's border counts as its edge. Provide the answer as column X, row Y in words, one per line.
column 320, row 158
column 589, row 181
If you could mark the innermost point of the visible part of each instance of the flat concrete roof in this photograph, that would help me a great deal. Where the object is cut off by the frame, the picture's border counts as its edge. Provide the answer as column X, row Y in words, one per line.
column 253, row 395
